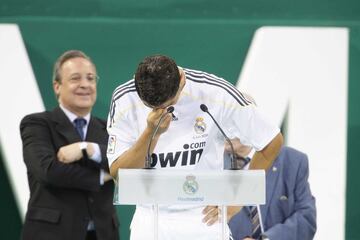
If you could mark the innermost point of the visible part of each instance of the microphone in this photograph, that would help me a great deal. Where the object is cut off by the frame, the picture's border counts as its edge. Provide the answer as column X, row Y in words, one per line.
column 234, row 166
column 148, row 155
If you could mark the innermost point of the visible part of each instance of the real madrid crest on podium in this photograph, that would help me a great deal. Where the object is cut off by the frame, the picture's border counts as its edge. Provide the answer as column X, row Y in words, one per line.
column 190, row 186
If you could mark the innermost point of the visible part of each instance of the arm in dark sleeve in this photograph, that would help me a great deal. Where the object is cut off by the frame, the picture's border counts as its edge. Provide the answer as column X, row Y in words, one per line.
column 302, row 223
column 104, row 162
column 41, row 161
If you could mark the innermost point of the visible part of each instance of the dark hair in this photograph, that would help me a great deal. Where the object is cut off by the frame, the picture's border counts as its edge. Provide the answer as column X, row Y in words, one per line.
column 157, row 79
column 63, row 58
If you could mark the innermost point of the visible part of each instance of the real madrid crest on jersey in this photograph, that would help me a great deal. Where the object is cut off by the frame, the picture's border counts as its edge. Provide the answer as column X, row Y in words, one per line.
column 200, row 125
column 190, row 186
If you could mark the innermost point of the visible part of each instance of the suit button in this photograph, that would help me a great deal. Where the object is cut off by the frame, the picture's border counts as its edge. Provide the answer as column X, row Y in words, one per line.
column 283, row 198
column 91, row 200
column 274, row 169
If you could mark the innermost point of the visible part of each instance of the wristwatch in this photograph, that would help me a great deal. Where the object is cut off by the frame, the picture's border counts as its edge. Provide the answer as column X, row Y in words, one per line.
column 264, row 237
column 83, row 146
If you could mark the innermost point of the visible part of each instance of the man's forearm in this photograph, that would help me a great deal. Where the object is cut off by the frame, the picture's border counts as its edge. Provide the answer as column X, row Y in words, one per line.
column 264, row 158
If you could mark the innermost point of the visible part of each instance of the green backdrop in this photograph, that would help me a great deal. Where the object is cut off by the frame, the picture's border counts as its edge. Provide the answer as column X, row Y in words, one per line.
column 209, row 35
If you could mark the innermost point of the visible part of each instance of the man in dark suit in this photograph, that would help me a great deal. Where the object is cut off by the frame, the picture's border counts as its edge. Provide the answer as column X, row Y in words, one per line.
column 64, row 150
column 289, row 212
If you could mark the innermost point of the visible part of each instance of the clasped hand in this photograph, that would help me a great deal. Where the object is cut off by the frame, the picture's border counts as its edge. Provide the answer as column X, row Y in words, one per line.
column 72, row 152
column 212, row 213
column 154, row 118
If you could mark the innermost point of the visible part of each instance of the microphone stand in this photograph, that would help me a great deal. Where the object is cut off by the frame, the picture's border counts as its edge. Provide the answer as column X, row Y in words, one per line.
column 148, row 155
column 234, row 166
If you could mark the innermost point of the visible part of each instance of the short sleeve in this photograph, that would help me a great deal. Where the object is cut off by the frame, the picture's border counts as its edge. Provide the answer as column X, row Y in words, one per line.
column 120, row 139
column 250, row 126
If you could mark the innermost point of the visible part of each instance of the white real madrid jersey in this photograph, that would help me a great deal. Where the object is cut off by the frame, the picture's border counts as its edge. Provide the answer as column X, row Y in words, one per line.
column 192, row 140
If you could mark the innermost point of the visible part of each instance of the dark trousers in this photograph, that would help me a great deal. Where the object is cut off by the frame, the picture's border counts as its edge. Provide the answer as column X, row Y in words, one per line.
column 91, row 235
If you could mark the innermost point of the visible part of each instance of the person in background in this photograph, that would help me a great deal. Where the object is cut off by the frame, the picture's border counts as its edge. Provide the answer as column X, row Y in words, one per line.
column 64, row 150
column 289, row 212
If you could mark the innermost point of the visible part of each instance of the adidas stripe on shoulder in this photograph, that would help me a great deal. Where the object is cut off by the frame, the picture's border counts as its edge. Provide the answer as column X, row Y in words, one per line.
column 206, row 78
column 118, row 93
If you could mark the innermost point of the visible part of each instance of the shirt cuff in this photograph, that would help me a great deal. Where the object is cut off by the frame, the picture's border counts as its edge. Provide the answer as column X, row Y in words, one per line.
column 96, row 157
column 102, row 174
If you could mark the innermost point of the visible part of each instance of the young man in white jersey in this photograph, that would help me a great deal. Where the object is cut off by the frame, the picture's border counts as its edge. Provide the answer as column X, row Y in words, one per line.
column 186, row 139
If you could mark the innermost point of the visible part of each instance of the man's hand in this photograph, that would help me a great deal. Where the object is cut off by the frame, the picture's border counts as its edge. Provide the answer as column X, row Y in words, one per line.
column 211, row 215
column 107, row 177
column 153, row 119
column 72, row 152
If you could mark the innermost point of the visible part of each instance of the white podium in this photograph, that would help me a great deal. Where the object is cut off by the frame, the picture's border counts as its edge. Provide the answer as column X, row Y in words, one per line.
column 181, row 187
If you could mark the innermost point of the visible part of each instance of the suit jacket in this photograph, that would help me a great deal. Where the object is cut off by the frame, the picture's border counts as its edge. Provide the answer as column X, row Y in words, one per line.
column 289, row 212
column 64, row 197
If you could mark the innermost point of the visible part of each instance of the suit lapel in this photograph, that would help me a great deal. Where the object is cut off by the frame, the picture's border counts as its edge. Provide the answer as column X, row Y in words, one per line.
column 64, row 127
column 271, row 180
column 95, row 130
column 97, row 133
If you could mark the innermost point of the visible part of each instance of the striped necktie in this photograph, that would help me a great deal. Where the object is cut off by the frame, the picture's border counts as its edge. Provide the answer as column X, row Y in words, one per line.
column 255, row 221
column 79, row 126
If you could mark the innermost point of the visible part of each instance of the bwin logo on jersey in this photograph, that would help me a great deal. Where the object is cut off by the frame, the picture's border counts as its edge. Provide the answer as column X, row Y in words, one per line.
column 190, row 186
column 200, row 125
column 189, row 155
